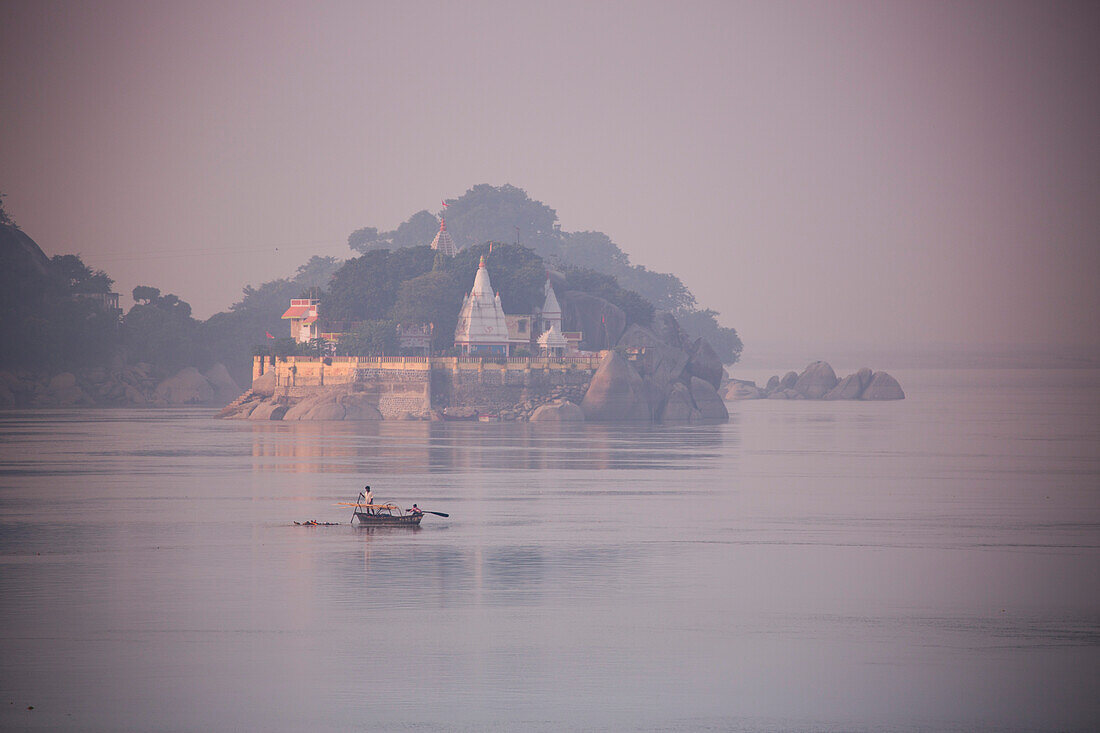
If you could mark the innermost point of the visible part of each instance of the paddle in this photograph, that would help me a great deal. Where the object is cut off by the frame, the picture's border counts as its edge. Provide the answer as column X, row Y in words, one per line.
column 438, row 514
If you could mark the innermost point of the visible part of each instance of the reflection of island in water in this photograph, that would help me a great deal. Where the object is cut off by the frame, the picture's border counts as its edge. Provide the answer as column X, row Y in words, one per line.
column 418, row 447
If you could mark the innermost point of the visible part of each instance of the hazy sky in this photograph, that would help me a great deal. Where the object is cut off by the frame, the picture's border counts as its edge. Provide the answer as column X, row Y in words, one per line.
column 865, row 173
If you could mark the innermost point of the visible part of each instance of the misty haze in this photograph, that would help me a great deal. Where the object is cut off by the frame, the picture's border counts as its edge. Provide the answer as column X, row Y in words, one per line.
column 497, row 366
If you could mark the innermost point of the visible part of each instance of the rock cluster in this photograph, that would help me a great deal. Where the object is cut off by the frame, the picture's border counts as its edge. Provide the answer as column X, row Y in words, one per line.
column 657, row 374
column 818, row 381
column 134, row 385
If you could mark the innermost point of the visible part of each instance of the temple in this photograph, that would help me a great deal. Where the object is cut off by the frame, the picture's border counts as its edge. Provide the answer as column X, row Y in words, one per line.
column 482, row 328
column 443, row 241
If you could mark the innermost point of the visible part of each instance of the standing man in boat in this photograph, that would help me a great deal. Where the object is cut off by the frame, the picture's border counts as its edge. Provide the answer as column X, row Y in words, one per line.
column 368, row 496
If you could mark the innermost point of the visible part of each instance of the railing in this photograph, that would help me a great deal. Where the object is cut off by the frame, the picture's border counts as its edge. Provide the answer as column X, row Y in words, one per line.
column 511, row 362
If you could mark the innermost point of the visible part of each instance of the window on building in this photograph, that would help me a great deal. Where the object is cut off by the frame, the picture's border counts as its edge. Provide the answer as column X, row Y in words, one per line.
column 523, row 326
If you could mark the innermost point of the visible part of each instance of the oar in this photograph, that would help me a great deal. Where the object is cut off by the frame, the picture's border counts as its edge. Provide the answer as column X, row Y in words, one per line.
column 438, row 514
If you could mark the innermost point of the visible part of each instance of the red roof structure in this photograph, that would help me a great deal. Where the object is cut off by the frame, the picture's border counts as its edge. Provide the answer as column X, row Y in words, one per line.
column 296, row 311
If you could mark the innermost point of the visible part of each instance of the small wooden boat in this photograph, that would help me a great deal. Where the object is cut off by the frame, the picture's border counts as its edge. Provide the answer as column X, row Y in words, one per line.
column 384, row 519
column 386, row 515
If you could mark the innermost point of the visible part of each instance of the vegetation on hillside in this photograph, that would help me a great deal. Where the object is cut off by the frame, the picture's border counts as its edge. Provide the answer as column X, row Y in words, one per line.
column 55, row 321
column 507, row 214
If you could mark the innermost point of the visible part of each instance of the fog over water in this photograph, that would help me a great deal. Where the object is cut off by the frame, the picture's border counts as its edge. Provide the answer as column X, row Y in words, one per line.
column 931, row 564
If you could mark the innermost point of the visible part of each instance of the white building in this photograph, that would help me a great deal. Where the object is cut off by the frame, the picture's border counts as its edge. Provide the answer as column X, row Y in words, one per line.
column 482, row 328
column 443, row 242
column 302, row 315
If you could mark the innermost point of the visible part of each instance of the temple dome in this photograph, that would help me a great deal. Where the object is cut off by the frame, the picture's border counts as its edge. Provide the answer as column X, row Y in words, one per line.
column 443, row 241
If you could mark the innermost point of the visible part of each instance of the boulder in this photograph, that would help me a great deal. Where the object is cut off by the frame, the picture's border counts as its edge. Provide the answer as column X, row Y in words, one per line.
column 816, row 380
column 326, row 410
column 668, row 330
column 268, row 411
column 601, row 322
column 779, row 394
column 135, row 396
column 637, row 336
column 225, row 387
column 616, row 392
column 741, row 390
column 679, row 407
column 772, row 385
column 706, row 399
column 558, row 412
column 64, row 380
column 789, row 380
column 883, row 387
column 264, row 385
column 358, row 407
column 242, row 412
column 301, row 409
column 704, row 363
column 851, row 387
column 70, row 396
column 187, row 387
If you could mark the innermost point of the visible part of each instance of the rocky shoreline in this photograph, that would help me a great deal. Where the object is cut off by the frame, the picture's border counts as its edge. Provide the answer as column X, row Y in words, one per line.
column 818, row 381
column 126, row 386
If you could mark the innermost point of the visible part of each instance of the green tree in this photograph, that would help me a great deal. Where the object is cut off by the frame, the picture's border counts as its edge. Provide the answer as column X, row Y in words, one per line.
column 704, row 324
column 366, row 287
column 434, row 297
column 159, row 330
column 5, row 218
column 370, row 338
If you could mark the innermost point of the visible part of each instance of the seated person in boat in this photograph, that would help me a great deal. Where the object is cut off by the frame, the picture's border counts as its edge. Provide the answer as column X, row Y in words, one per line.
column 416, row 510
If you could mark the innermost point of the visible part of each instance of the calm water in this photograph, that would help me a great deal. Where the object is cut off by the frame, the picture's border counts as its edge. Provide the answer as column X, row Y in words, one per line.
column 929, row 564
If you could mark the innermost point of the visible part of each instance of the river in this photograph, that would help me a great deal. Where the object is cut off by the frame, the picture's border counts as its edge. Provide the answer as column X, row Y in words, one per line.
column 926, row 564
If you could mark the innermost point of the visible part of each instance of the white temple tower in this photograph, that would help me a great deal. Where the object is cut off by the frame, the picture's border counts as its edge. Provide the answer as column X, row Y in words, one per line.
column 551, row 311
column 481, row 327
column 443, row 242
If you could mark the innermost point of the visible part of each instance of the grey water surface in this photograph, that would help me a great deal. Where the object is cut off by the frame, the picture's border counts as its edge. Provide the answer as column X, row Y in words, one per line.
column 931, row 564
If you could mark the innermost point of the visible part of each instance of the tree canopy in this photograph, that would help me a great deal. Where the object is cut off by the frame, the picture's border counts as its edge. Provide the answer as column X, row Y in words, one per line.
column 507, row 214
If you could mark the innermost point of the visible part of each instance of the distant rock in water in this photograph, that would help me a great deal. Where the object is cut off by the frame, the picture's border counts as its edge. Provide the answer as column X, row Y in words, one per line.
column 738, row 389
column 883, row 387
column 818, row 381
column 851, row 387
column 563, row 412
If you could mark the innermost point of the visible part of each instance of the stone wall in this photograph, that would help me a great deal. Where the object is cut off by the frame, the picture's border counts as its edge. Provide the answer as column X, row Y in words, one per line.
column 402, row 387
column 494, row 388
